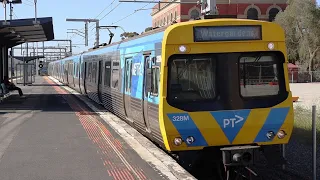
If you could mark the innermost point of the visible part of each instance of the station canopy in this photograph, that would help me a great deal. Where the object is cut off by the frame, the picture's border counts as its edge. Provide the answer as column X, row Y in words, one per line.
column 18, row 31
column 27, row 58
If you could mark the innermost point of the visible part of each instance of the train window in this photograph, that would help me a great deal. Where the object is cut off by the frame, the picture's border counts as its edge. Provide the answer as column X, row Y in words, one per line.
column 155, row 80
column 115, row 74
column 90, row 72
column 94, row 72
column 128, row 74
column 107, row 73
column 192, row 79
column 258, row 76
column 76, row 69
column 82, row 70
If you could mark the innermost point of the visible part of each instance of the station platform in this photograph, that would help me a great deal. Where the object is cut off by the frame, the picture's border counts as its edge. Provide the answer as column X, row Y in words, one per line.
column 52, row 134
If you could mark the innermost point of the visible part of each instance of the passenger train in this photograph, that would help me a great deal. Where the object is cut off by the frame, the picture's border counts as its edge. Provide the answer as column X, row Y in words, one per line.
column 213, row 85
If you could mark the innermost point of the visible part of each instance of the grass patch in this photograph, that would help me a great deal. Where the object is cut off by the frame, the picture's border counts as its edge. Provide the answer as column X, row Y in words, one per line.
column 303, row 125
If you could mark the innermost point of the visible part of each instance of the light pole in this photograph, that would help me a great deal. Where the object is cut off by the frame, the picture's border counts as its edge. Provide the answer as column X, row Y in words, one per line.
column 86, row 28
column 35, row 22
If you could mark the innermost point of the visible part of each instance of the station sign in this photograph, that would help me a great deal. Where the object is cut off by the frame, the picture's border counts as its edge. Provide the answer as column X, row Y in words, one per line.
column 227, row 33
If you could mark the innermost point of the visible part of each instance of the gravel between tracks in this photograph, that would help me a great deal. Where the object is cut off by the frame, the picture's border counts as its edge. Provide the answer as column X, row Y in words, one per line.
column 299, row 150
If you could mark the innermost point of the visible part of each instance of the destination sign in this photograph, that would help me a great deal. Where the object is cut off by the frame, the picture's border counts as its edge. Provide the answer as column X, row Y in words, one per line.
column 226, row 33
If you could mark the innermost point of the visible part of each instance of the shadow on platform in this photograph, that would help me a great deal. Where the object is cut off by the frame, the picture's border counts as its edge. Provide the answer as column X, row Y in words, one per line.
column 45, row 85
column 44, row 102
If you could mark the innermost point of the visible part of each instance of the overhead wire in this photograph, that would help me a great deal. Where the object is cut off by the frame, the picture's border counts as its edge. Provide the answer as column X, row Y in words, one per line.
column 107, row 14
column 135, row 11
column 28, row 3
column 98, row 16
column 15, row 15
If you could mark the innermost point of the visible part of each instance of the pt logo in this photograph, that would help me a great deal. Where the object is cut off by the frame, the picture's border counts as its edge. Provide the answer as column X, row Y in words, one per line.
column 232, row 121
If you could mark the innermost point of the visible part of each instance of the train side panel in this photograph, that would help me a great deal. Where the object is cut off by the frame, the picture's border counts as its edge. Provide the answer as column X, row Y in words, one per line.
column 76, row 72
column 141, row 107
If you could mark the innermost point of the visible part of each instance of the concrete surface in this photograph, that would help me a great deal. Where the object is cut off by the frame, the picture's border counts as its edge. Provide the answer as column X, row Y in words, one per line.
column 51, row 134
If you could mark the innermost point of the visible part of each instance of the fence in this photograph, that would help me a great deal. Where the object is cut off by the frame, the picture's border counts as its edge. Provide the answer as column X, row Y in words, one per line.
column 27, row 73
column 304, row 76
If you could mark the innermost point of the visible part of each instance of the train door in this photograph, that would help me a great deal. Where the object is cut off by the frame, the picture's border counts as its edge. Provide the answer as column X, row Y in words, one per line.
column 80, row 75
column 147, row 65
column 85, row 77
column 127, row 85
column 72, row 70
column 66, row 65
column 100, row 81
column 70, row 74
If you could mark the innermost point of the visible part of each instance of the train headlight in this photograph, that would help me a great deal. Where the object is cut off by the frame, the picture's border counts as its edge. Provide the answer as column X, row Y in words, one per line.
column 190, row 140
column 281, row 134
column 270, row 46
column 177, row 141
column 182, row 48
column 270, row 135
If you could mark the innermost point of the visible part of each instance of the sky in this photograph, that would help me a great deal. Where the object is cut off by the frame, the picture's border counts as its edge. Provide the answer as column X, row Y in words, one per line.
column 109, row 11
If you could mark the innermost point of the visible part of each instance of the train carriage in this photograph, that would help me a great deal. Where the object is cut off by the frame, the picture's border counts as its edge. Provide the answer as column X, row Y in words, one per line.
column 219, row 84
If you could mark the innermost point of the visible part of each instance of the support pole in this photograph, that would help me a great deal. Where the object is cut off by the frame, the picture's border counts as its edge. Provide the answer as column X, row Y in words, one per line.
column 11, row 50
column 70, row 48
column 5, row 11
column 86, row 28
column 314, row 144
column 97, row 34
column 11, row 9
column 86, row 31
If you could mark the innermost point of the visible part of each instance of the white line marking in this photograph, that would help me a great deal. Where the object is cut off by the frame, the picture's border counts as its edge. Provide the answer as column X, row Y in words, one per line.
column 123, row 159
column 143, row 146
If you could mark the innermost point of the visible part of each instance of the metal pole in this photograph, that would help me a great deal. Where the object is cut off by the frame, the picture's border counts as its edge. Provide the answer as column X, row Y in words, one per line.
column 11, row 52
column 27, row 48
column 70, row 47
column 97, row 33
column 5, row 11
column 43, row 48
column 35, row 10
column 24, row 69
column 86, row 31
column 11, row 9
column 314, row 144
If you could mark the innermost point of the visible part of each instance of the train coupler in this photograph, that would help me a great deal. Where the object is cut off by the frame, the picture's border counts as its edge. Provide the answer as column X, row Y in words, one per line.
column 240, row 155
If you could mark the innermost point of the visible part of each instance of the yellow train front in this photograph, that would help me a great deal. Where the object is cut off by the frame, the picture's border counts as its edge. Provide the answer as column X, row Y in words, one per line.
column 224, row 85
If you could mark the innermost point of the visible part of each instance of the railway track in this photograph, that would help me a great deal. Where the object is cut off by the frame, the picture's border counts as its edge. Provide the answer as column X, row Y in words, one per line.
column 207, row 170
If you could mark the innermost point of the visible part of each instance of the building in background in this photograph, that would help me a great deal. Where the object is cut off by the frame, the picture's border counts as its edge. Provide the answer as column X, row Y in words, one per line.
column 244, row 9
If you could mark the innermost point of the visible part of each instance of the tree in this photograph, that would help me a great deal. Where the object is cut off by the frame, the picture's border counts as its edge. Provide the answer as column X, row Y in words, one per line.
column 300, row 22
column 126, row 35
column 148, row 29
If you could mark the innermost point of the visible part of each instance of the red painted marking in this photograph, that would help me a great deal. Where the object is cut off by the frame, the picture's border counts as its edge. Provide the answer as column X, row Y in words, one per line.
column 121, row 174
column 114, row 175
column 96, row 132
column 118, row 174
column 129, row 175
column 140, row 173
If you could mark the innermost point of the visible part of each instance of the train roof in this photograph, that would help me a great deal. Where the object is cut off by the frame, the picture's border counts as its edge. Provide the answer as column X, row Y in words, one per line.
column 161, row 29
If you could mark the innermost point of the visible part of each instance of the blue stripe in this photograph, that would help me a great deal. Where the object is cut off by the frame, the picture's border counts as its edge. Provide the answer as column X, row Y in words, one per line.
column 273, row 123
column 186, row 127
